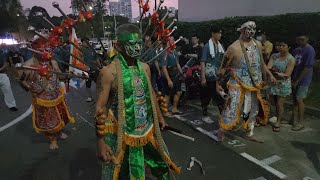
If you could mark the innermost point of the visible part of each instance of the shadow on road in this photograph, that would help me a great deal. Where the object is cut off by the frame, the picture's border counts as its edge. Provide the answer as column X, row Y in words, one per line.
column 311, row 151
column 85, row 166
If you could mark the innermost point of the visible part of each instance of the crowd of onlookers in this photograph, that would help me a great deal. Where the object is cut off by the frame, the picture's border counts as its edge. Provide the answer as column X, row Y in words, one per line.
column 291, row 67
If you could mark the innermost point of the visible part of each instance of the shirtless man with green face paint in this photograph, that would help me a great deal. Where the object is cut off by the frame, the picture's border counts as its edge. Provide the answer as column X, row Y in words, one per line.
column 128, row 118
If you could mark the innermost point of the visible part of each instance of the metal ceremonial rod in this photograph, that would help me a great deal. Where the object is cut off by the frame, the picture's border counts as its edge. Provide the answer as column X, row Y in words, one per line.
column 83, row 5
column 39, row 52
column 164, row 50
column 21, row 66
column 32, row 29
column 56, row 5
column 47, row 20
column 165, row 16
column 155, row 10
column 174, row 29
column 85, row 120
column 35, row 51
column 85, row 9
column 174, row 20
column 147, row 53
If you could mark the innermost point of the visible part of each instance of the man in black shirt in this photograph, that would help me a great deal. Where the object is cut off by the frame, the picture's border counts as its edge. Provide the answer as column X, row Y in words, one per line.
column 195, row 50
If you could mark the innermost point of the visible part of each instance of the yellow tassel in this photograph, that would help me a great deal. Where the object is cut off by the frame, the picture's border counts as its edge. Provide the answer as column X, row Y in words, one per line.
column 119, row 159
column 138, row 141
column 168, row 161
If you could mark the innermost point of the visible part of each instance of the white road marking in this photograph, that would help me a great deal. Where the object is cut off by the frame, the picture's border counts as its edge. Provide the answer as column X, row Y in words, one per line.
column 264, row 166
column 182, row 135
column 196, row 122
column 236, row 143
column 180, row 118
column 185, row 114
column 208, row 120
column 259, row 178
column 208, row 134
column 18, row 119
column 307, row 178
column 271, row 160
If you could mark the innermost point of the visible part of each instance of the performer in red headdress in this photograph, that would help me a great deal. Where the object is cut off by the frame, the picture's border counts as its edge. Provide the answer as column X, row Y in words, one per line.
column 50, row 111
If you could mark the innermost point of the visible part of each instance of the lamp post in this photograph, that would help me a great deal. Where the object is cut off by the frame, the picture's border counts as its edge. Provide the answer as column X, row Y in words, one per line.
column 18, row 17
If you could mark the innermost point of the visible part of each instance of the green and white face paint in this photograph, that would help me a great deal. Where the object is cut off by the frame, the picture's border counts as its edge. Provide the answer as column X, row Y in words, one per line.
column 132, row 44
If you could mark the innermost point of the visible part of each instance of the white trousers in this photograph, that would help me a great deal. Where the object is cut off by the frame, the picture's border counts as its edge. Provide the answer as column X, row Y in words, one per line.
column 6, row 89
column 251, row 106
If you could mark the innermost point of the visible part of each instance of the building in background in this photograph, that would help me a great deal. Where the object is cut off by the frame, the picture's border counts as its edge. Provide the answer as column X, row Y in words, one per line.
column 204, row 10
column 121, row 8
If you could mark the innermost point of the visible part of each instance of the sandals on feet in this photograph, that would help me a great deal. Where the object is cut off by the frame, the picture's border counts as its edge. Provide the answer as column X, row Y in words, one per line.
column 275, row 128
column 284, row 122
column 297, row 127
column 177, row 113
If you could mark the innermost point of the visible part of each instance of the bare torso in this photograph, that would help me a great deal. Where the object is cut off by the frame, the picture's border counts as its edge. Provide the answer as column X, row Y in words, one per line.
column 236, row 52
column 111, row 71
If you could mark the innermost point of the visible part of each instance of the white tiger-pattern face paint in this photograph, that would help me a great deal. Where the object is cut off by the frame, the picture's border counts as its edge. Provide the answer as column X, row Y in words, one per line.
column 249, row 28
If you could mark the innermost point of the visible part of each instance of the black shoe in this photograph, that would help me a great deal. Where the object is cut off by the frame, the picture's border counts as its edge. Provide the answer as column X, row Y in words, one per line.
column 13, row 109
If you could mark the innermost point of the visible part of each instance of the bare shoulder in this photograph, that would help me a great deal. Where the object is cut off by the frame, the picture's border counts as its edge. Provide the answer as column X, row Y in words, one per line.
column 146, row 67
column 258, row 43
column 233, row 48
column 108, row 71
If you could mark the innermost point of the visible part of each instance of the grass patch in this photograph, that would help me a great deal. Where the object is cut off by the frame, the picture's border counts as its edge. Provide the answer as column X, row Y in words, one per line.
column 313, row 98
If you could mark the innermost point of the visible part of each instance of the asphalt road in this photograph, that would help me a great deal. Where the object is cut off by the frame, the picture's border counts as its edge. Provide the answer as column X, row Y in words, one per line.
column 25, row 155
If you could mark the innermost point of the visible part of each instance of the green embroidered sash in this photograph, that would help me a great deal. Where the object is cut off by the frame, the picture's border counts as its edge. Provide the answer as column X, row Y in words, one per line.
column 138, row 113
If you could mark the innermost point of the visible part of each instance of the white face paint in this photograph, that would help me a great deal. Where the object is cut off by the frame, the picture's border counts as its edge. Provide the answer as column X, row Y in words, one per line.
column 250, row 30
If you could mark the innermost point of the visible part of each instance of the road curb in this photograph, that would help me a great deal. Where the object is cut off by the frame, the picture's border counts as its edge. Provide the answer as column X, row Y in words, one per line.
column 309, row 110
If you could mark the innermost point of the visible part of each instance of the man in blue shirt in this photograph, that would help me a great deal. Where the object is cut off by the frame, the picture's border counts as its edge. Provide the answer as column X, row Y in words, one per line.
column 5, row 82
column 212, row 54
column 172, row 84
column 301, row 78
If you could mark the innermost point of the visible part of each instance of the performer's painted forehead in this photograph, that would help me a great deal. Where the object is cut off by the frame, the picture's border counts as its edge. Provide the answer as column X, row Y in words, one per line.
column 249, row 29
column 126, row 37
column 248, row 25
